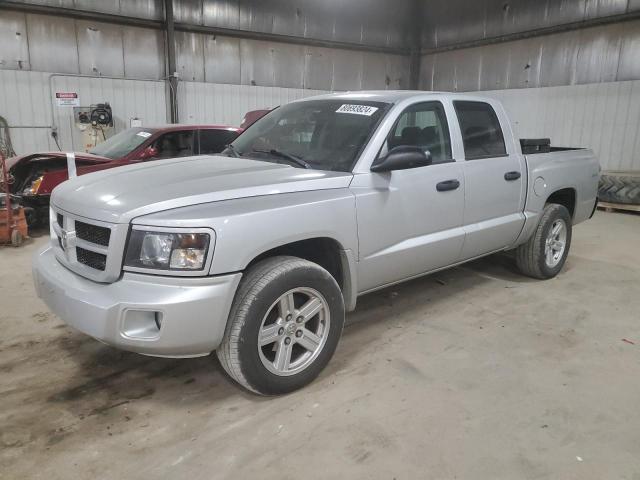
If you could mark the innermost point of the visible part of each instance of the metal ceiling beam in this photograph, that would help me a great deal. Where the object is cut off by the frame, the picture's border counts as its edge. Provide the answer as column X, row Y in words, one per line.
column 184, row 27
column 538, row 32
column 274, row 37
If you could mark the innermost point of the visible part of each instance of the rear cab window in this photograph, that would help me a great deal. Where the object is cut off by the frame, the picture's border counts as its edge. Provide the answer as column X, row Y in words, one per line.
column 482, row 135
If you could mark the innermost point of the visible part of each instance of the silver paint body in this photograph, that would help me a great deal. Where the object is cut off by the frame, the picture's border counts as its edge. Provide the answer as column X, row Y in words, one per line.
column 391, row 226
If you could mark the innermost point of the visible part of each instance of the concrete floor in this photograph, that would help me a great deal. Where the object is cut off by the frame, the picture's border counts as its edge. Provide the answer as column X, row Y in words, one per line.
column 472, row 373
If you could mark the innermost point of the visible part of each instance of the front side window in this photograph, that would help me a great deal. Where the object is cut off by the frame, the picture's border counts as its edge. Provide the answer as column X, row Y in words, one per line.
column 320, row 134
column 422, row 125
column 481, row 133
column 174, row 144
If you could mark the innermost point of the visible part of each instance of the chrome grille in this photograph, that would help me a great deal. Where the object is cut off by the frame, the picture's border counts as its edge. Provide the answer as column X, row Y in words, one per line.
column 90, row 248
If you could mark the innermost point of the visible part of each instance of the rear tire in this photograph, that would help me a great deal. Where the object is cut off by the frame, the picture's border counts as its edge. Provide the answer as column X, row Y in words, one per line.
column 284, row 325
column 620, row 187
column 544, row 254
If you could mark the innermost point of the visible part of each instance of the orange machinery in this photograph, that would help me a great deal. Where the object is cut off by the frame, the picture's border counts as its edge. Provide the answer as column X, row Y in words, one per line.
column 13, row 224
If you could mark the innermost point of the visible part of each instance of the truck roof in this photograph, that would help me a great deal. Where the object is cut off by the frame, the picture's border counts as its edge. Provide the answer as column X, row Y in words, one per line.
column 389, row 96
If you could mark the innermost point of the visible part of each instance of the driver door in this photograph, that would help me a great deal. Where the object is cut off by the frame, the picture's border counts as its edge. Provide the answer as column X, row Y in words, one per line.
column 411, row 221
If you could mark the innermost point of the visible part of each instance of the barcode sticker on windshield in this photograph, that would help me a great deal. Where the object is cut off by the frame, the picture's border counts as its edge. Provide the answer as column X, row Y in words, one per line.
column 143, row 134
column 357, row 109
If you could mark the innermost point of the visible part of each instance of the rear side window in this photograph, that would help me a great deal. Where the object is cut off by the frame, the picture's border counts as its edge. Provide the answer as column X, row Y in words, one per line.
column 214, row 141
column 481, row 133
column 175, row 144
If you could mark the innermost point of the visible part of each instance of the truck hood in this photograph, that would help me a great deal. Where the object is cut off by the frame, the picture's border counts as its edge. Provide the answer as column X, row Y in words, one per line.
column 120, row 194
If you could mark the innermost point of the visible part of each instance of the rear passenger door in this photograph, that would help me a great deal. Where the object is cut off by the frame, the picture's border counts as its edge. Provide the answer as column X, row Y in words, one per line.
column 215, row 140
column 495, row 176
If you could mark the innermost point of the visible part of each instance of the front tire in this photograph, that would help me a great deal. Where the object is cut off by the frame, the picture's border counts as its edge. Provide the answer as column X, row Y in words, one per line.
column 545, row 253
column 284, row 325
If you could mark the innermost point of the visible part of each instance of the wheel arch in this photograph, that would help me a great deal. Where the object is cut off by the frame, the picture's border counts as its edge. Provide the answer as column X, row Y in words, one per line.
column 566, row 197
column 327, row 252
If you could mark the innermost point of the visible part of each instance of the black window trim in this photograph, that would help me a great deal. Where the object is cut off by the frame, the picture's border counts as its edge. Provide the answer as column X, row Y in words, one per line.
column 495, row 115
column 451, row 158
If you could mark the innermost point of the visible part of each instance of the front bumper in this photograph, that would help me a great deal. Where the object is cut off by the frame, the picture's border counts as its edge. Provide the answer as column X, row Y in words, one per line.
column 148, row 314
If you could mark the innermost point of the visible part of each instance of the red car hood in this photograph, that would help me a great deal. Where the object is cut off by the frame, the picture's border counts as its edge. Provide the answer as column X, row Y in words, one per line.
column 86, row 157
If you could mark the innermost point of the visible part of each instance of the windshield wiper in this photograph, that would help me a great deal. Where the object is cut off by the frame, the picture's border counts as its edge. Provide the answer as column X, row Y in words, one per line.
column 232, row 149
column 287, row 156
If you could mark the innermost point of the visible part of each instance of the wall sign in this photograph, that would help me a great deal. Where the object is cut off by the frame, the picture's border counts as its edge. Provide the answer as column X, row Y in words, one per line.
column 67, row 99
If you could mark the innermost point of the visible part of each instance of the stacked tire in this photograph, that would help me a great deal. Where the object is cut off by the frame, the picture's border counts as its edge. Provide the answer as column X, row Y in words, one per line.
column 620, row 187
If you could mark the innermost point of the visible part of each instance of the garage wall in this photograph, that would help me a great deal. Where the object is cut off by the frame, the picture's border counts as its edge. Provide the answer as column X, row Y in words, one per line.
column 34, row 42
column 56, row 44
column 32, row 46
column 218, row 59
column 602, row 116
column 364, row 22
column 26, row 101
column 578, row 87
column 598, row 54
column 227, row 104
column 455, row 22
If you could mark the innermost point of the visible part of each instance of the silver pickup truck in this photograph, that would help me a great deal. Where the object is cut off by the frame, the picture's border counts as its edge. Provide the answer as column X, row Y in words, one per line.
column 257, row 253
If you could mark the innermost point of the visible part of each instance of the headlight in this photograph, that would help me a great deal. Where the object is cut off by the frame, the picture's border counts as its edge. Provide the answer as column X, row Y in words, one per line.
column 167, row 250
column 34, row 187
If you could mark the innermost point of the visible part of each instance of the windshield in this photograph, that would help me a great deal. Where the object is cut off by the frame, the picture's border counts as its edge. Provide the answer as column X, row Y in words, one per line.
column 320, row 134
column 123, row 143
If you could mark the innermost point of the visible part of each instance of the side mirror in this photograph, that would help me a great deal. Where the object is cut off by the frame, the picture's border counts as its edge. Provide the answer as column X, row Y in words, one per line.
column 147, row 153
column 403, row 157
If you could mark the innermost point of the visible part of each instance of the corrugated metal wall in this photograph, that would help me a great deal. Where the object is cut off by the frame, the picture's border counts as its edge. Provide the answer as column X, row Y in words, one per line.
column 25, row 101
column 364, row 22
column 598, row 54
column 601, row 116
column 453, row 22
column 31, row 43
column 54, row 44
column 579, row 87
column 226, row 104
column 218, row 59
column 149, row 9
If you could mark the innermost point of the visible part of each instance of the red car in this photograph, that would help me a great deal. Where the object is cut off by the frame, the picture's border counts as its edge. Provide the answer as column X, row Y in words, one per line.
column 35, row 175
column 252, row 117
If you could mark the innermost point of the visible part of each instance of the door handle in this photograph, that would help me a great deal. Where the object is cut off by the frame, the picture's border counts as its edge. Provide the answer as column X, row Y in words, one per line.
column 510, row 176
column 447, row 185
